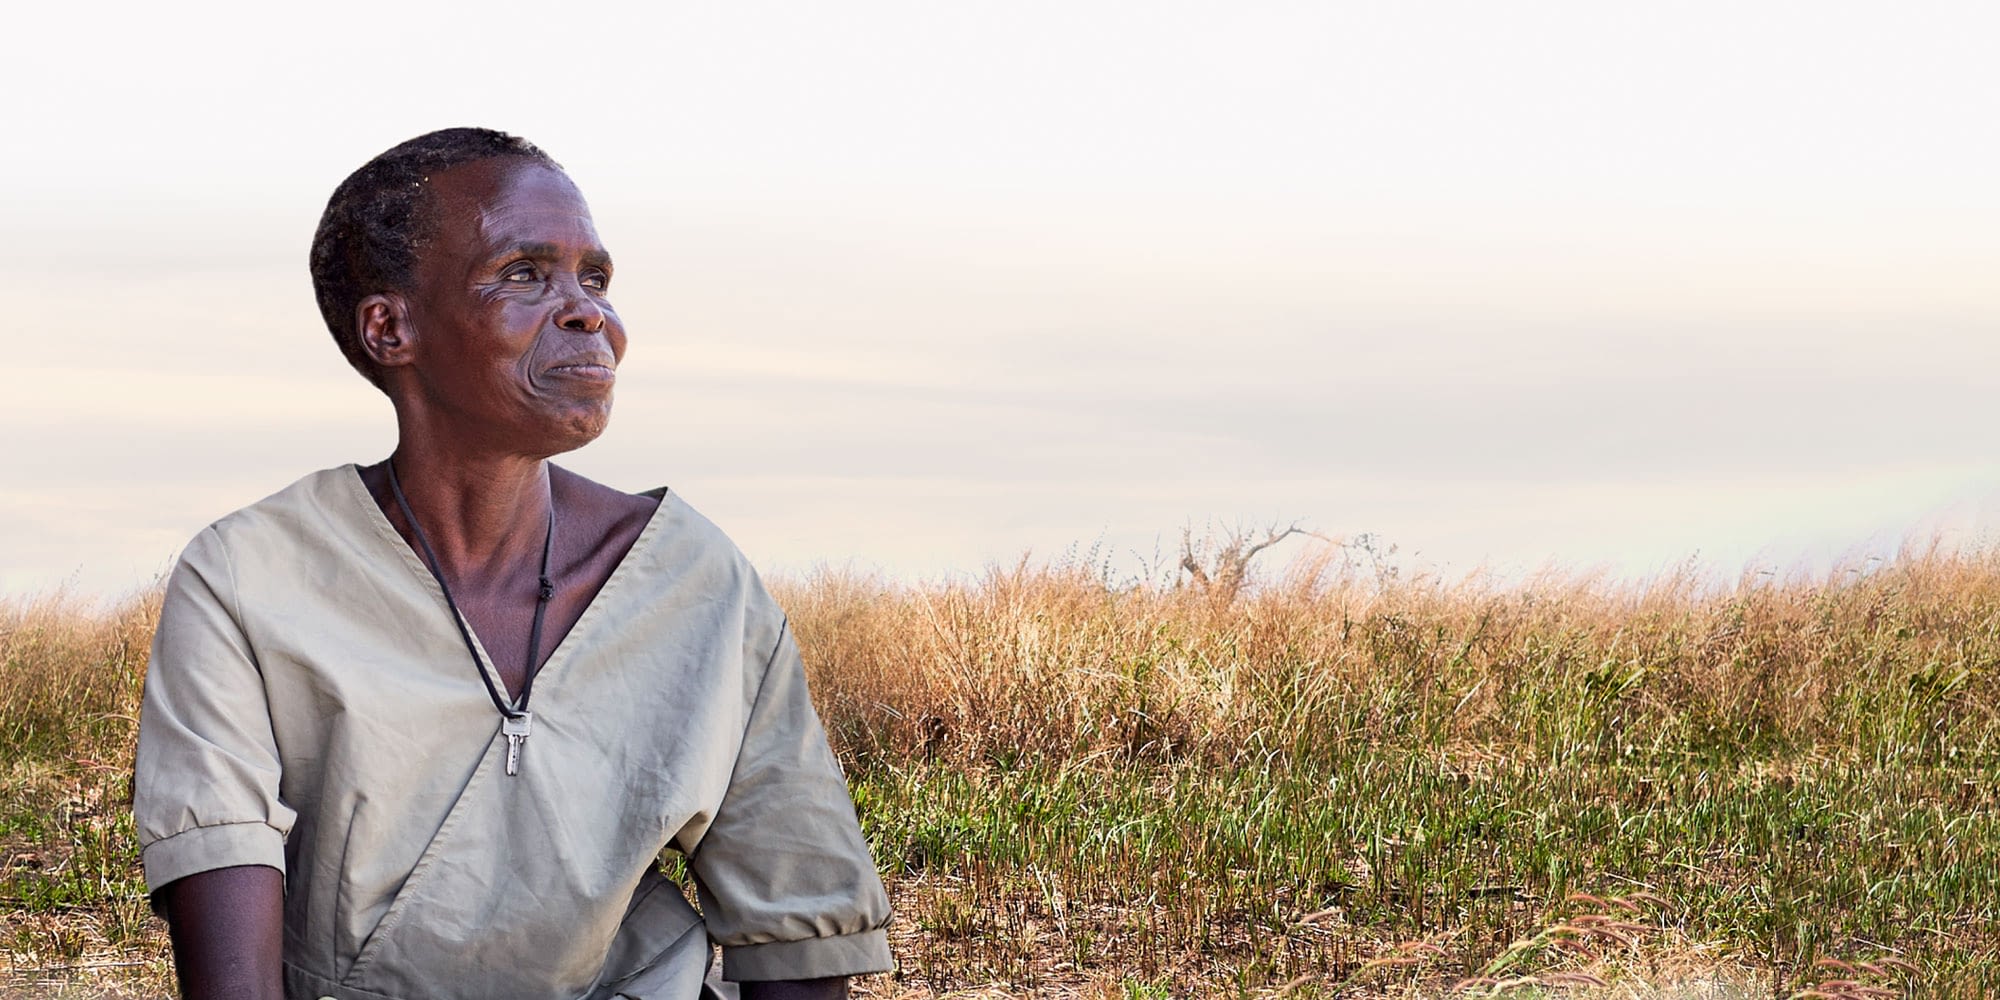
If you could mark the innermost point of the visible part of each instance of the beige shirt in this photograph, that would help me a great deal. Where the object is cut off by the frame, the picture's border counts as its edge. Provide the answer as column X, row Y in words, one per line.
column 310, row 706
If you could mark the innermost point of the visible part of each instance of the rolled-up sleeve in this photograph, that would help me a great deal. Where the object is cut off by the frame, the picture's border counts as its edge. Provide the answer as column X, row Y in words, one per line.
column 205, row 782
column 786, row 882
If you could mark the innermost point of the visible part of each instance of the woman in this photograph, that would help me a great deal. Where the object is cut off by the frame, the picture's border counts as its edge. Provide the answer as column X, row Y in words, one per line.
column 421, row 729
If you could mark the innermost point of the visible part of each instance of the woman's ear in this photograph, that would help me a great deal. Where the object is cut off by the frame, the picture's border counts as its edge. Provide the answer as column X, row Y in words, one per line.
column 387, row 334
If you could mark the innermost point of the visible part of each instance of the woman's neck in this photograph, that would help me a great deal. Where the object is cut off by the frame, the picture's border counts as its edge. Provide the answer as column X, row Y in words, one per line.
column 481, row 514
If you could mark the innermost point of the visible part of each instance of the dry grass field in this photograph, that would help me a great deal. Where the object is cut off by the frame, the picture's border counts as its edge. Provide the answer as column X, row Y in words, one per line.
column 1335, row 784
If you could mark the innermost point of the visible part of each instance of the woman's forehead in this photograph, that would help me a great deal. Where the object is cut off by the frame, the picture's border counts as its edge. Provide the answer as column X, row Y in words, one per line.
column 482, row 205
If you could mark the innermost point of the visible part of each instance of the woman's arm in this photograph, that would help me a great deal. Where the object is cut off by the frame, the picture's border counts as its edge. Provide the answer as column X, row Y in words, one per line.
column 831, row 988
column 785, row 851
column 205, row 804
column 228, row 930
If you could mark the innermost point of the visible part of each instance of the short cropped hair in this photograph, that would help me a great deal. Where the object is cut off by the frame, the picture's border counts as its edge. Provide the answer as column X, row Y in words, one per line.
column 379, row 220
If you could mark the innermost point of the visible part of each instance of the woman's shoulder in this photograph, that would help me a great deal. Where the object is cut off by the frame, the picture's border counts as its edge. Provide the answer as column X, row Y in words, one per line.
column 306, row 507
column 601, row 510
column 606, row 506
column 260, row 545
column 675, row 545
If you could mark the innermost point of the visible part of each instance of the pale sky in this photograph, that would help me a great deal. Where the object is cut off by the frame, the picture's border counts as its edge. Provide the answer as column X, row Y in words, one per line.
column 922, row 286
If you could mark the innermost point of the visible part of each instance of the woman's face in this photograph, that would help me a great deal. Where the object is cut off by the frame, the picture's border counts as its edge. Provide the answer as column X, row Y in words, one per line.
column 516, row 338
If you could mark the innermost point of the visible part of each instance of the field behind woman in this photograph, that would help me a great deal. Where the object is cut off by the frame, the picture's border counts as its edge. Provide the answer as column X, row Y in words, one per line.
column 1331, row 785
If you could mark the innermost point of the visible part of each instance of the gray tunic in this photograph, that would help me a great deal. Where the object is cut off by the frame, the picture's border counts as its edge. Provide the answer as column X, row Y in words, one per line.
column 310, row 706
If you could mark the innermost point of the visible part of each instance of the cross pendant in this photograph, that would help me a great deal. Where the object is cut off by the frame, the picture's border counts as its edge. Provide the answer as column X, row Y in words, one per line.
column 515, row 728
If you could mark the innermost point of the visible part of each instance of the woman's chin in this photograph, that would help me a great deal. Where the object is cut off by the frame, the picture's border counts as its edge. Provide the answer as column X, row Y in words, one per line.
column 574, row 429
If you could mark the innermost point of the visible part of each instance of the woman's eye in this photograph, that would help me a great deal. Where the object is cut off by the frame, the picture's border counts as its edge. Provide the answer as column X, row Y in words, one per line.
column 519, row 274
column 596, row 279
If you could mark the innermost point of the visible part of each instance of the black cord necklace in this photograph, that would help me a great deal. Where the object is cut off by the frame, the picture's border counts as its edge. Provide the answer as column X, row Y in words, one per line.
column 515, row 720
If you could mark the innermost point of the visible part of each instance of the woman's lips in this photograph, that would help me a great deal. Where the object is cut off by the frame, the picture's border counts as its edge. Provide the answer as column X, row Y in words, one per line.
column 588, row 371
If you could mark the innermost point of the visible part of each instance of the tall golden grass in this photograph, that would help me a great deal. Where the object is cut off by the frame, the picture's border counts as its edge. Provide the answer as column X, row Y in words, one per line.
column 1674, row 735
column 1895, row 656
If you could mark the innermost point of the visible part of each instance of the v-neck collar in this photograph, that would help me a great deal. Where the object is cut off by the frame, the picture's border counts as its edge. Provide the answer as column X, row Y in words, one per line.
column 547, row 671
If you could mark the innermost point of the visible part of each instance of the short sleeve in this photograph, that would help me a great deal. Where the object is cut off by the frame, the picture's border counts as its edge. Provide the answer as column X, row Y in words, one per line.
column 205, row 782
column 786, row 882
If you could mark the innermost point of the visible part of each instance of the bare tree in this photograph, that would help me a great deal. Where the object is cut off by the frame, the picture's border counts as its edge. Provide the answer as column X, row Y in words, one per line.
column 1219, row 567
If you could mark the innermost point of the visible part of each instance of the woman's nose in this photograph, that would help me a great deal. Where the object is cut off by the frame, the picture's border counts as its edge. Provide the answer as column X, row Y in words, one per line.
column 580, row 312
